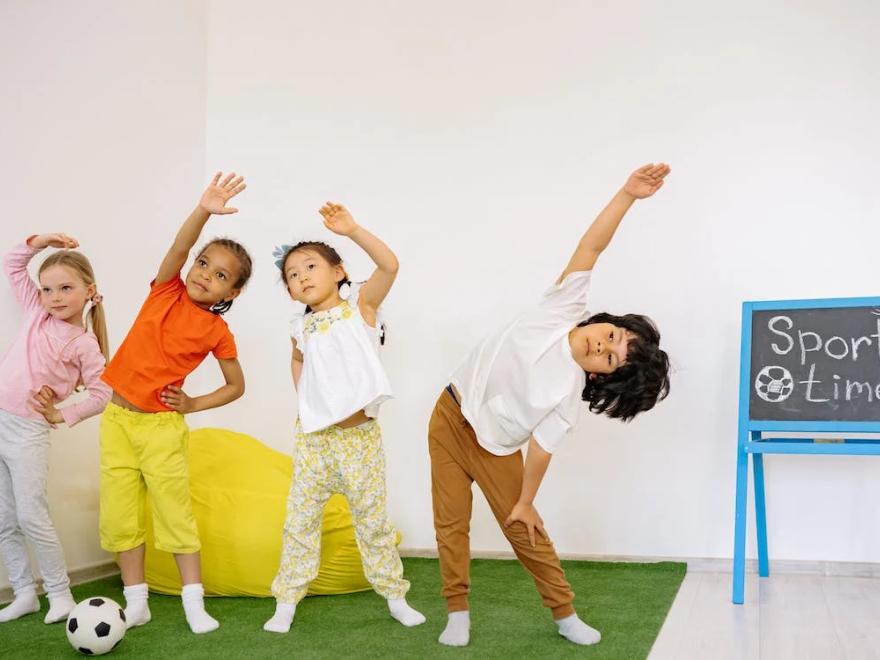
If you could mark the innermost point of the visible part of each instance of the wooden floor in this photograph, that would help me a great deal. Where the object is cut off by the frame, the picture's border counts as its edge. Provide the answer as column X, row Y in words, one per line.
column 784, row 616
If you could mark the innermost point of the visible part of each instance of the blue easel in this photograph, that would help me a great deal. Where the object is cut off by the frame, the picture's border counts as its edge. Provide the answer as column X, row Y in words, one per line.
column 751, row 440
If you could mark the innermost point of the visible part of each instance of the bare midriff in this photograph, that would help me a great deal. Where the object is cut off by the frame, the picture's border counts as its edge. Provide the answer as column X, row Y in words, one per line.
column 360, row 417
column 122, row 402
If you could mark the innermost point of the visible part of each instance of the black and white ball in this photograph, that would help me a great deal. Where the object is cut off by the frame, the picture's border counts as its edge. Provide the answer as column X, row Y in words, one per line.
column 96, row 626
column 774, row 384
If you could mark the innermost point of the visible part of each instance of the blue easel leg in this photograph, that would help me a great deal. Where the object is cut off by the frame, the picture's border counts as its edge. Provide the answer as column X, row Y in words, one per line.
column 760, row 515
column 739, row 529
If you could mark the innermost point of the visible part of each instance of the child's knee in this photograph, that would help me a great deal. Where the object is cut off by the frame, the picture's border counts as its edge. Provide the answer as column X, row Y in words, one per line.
column 303, row 529
column 36, row 524
column 518, row 536
column 119, row 535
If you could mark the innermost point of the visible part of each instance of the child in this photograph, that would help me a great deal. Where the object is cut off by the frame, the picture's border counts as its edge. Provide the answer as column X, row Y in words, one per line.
column 143, row 432
column 53, row 353
column 340, row 385
column 520, row 387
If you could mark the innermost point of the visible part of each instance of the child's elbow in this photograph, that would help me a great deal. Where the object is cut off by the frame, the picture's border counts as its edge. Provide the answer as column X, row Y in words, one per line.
column 393, row 266
column 239, row 391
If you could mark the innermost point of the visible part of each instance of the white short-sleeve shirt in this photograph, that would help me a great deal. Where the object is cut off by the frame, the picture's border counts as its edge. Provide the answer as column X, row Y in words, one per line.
column 523, row 380
column 341, row 372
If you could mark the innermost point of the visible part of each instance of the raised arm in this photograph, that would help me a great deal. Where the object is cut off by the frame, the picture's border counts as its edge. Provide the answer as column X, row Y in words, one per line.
column 642, row 183
column 338, row 220
column 213, row 201
column 15, row 264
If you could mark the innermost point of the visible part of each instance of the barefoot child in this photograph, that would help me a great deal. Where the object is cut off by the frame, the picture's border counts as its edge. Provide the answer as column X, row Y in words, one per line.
column 57, row 348
column 521, row 386
column 340, row 385
column 143, row 432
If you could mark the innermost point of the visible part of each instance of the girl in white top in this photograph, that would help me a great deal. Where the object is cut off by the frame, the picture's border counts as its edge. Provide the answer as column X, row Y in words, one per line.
column 522, row 386
column 340, row 385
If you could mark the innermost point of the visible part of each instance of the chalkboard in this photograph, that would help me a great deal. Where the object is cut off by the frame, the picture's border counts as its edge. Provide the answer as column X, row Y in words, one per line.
column 818, row 364
column 806, row 366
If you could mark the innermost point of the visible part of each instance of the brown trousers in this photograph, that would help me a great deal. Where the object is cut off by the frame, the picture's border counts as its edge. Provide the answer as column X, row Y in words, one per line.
column 457, row 460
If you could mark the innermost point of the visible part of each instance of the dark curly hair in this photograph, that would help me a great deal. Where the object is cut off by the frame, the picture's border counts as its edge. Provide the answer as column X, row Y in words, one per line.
column 641, row 382
column 246, row 267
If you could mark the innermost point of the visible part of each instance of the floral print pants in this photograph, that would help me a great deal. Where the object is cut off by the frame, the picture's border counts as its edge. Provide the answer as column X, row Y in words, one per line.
column 349, row 461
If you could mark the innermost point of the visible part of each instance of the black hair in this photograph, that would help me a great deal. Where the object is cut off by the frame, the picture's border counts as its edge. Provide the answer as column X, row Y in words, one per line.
column 246, row 267
column 643, row 379
column 331, row 256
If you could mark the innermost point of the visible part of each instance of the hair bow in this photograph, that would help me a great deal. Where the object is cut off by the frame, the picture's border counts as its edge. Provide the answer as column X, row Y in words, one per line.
column 279, row 253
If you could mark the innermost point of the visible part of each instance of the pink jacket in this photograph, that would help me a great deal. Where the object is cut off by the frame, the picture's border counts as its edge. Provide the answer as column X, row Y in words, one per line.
column 47, row 351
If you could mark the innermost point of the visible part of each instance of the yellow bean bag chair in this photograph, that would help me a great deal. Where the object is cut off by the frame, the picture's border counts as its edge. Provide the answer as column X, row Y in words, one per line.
column 239, row 490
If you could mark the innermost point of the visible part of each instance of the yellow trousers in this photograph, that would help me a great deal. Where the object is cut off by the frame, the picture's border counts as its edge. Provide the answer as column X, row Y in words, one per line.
column 144, row 455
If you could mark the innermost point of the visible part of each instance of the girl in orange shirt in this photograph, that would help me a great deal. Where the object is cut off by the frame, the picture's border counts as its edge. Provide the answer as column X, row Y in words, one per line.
column 143, row 433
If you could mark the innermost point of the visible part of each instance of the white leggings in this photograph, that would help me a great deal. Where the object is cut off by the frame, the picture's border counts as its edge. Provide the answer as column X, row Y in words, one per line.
column 24, row 508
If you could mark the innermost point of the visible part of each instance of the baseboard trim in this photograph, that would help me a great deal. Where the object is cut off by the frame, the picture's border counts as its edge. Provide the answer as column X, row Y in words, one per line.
column 95, row 571
column 694, row 564
column 697, row 564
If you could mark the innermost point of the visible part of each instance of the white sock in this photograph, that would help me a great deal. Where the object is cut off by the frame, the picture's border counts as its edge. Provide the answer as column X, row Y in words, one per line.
column 282, row 619
column 401, row 611
column 25, row 602
column 199, row 620
column 60, row 605
column 137, row 611
column 458, row 629
column 575, row 630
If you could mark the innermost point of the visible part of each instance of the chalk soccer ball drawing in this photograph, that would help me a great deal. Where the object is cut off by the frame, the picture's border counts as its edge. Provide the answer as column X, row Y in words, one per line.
column 774, row 384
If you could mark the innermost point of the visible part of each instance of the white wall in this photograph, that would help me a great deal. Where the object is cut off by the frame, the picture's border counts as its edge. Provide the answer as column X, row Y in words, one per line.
column 478, row 139
column 103, row 137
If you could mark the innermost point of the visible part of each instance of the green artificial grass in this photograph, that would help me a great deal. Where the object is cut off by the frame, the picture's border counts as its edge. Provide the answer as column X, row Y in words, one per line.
column 626, row 602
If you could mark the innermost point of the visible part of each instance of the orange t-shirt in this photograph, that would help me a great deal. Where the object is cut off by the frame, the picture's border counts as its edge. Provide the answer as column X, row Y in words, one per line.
column 169, row 339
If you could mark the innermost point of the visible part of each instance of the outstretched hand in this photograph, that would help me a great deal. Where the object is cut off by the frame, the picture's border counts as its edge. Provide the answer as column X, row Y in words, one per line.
column 337, row 219
column 646, row 180
column 219, row 192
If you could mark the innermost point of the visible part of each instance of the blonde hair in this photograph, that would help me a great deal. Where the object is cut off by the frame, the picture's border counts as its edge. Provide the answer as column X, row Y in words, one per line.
column 79, row 264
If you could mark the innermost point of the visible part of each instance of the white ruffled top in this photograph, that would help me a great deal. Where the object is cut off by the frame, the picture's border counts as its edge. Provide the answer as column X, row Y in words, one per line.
column 341, row 372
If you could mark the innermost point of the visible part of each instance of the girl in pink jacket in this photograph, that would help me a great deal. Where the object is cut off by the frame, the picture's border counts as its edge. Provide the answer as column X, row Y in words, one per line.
column 61, row 347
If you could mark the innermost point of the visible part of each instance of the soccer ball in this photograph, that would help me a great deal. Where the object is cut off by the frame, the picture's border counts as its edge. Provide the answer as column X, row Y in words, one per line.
column 774, row 384
column 96, row 626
